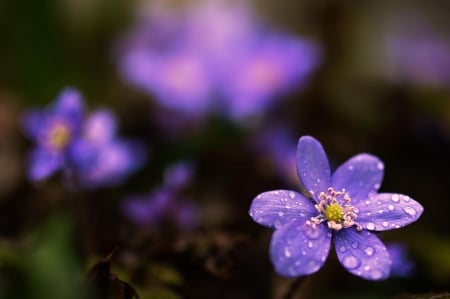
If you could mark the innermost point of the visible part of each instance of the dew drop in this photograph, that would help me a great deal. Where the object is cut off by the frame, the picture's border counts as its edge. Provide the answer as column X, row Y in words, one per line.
column 303, row 252
column 355, row 245
column 410, row 211
column 367, row 267
column 391, row 207
column 277, row 223
column 376, row 274
column 350, row 167
column 281, row 214
column 297, row 263
column 369, row 251
column 312, row 233
column 385, row 224
column 367, row 202
column 318, row 180
column 288, row 206
column 406, row 198
column 259, row 219
column 377, row 186
column 395, row 198
column 350, row 262
column 380, row 166
column 342, row 249
column 310, row 244
column 287, row 252
column 291, row 194
column 370, row 225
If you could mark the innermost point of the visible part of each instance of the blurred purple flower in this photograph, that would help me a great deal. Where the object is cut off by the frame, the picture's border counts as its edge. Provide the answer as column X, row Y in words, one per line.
column 417, row 54
column 53, row 131
column 344, row 207
column 85, row 149
column 102, row 159
column 402, row 266
column 218, row 59
column 271, row 67
column 164, row 204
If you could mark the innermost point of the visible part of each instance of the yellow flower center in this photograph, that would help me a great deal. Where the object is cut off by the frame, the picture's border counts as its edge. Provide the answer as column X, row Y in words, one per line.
column 334, row 212
column 59, row 136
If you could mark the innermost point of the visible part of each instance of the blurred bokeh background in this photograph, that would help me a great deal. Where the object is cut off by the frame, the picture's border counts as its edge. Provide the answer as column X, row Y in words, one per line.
column 217, row 93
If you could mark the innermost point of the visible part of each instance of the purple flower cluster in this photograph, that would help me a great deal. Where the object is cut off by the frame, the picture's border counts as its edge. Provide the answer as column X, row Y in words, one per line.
column 164, row 204
column 84, row 148
column 214, row 55
column 344, row 208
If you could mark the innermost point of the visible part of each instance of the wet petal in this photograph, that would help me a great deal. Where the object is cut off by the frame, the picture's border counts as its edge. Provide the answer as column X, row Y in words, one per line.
column 360, row 176
column 275, row 208
column 298, row 249
column 312, row 165
column 387, row 211
column 43, row 164
column 362, row 253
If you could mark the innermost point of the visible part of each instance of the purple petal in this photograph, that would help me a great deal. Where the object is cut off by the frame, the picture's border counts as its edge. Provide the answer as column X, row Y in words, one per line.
column 276, row 208
column 100, row 127
column 70, row 106
column 299, row 249
column 312, row 165
column 43, row 164
column 360, row 176
column 387, row 211
column 362, row 254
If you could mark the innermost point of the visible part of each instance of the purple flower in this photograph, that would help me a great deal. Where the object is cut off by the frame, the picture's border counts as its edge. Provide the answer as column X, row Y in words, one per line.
column 272, row 66
column 165, row 204
column 86, row 150
column 343, row 207
column 100, row 157
column 54, row 132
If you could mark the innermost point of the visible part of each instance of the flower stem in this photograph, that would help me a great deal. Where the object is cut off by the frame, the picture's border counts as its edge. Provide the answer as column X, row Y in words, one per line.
column 293, row 288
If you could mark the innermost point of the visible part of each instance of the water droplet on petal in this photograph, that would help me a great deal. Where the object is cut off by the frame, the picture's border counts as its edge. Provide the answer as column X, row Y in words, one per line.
column 410, row 211
column 369, row 251
column 350, row 262
column 342, row 249
column 281, row 214
column 367, row 267
column 385, row 224
column 395, row 198
column 350, row 167
column 355, row 245
column 291, row 194
column 380, row 166
column 376, row 274
column 391, row 207
column 310, row 244
column 277, row 223
column 367, row 202
column 377, row 186
column 370, row 225
column 406, row 198
column 287, row 252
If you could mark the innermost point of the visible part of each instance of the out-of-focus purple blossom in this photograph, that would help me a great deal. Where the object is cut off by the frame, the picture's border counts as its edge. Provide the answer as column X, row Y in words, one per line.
column 161, row 206
column 277, row 146
column 343, row 207
column 102, row 159
column 53, row 131
column 221, row 60
column 417, row 54
column 164, row 204
column 271, row 67
column 178, row 175
column 85, row 149
column 402, row 265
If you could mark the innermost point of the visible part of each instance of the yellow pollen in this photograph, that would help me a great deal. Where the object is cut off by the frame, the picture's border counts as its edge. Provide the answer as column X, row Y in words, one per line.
column 59, row 136
column 334, row 212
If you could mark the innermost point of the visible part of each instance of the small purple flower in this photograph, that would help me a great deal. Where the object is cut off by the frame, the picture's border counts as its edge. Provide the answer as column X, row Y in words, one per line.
column 86, row 150
column 164, row 204
column 54, row 132
column 343, row 207
column 102, row 159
